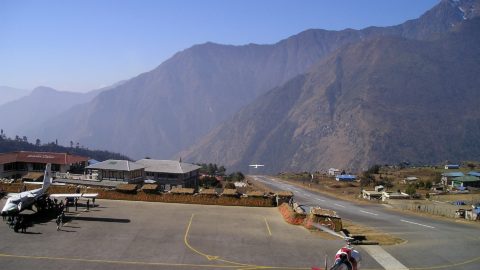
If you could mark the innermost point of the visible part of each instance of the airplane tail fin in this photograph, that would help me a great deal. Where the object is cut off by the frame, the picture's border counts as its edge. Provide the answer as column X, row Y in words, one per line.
column 47, row 176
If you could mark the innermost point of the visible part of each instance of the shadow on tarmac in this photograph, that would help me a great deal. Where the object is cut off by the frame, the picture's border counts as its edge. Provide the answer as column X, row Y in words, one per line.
column 118, row 220
column 62, row 230
column 32, row 233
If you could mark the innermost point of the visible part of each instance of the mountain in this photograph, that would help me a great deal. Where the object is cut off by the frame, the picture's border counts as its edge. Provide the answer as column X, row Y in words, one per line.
column 8, row 94
column 441, row 18
column 383, row 100
column 167, row 109
column 25, row 114
column 163, row 111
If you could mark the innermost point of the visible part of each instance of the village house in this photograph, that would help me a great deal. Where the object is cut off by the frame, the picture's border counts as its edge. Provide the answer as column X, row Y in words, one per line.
column 410, row 179
column 452, row 167
column 373, row 194
column 394, row 196
column 447, row 178
column 333, row 171
column 465, row 181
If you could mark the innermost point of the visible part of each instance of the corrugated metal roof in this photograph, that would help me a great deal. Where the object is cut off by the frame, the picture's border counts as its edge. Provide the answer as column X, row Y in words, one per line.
column 346, row 177
column 467, row 178
column 116, row 165
column 453, row 174
column 476, row 174
column 167, row 166
column 40, row 157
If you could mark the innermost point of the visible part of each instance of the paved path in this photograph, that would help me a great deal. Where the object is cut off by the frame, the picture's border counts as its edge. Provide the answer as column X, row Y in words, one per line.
column 141, row 235
column 431, row 243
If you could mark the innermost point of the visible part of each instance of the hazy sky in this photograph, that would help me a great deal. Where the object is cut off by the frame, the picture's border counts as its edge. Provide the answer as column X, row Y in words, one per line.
column 87, row 44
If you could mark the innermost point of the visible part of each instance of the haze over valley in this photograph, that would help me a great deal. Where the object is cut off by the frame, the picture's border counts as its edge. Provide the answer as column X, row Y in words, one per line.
column 319, row 98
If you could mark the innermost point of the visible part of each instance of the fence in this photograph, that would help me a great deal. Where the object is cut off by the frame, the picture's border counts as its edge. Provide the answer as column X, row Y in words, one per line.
column 445, row 210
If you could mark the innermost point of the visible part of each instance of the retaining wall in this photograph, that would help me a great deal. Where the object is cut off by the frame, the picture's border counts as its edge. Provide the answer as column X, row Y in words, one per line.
column 163, row 197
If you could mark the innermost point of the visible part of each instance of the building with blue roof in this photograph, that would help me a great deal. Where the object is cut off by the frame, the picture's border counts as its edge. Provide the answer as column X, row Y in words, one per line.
column 448, row 177
column 466, row 181
column 345, row 177
column 476, row 174
column 453, row 174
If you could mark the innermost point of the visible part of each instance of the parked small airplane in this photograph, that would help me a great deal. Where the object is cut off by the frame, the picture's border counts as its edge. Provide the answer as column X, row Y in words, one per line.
column 25, row 200
column 256, row 165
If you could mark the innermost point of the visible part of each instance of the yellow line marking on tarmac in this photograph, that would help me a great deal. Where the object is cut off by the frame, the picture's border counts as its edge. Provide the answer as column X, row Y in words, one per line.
column 116, row 262
column 268, row 227
column 208, row 257
column 446, row 266
column 239, row 266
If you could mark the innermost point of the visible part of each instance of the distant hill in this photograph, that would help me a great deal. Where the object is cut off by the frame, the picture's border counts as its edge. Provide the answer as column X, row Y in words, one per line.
column 8, row 94
column 383, row 100
column 43, row 105
column 30, row 111
column 166, row 110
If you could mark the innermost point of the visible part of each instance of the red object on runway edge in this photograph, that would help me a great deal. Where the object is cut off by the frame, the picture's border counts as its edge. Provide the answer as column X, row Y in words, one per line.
column 315, row 268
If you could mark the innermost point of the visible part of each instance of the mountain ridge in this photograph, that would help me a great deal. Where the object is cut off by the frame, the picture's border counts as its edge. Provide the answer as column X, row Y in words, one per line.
column 160, row 112
column 375, row 94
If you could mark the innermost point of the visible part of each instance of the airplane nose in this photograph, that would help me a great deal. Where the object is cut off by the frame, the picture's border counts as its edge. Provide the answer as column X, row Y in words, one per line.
column 8, row 209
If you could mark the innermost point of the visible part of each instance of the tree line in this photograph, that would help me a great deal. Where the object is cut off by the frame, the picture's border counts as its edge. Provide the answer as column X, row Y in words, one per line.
column 20, row 143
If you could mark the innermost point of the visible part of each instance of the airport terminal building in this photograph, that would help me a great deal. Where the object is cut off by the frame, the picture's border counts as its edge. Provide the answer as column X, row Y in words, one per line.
column 118, row 170
column 31, row 165
column 166, row 173
column 171, row 172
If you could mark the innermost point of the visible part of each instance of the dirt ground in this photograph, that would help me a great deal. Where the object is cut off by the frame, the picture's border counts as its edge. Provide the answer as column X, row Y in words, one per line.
column 371, row 234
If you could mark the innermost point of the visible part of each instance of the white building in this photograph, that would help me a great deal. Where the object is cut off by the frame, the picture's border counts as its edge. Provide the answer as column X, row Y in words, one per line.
column 333, row 171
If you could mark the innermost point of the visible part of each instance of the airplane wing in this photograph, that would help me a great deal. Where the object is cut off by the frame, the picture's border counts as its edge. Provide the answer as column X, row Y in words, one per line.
column 75, row 195
column 8, row 195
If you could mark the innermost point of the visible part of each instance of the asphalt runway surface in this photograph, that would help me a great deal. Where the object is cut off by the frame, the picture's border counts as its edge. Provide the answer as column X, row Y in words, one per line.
column 143, row 235
column 432, row 243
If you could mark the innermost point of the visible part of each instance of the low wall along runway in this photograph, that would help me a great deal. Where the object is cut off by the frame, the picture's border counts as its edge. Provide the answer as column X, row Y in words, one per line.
column 206, row 199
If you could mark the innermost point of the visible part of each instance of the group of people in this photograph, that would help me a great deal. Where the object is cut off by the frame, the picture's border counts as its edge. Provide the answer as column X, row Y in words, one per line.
column 17, row 222
column 45, row 206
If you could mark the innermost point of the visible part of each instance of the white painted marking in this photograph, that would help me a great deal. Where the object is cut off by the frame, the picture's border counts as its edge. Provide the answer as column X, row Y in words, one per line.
column 320, row 200
column 370, row 213
column 339, row 205
column 411, row 222
column 384, row 258
column 438, row 201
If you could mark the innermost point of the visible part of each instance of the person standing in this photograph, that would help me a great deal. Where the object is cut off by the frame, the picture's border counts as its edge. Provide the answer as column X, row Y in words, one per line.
column 58, row 221
column 66, row 204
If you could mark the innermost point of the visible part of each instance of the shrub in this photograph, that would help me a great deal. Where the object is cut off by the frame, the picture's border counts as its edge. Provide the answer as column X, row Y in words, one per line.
column 230, row 185
column 411, row 190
